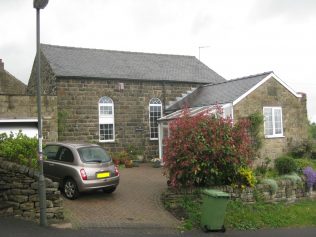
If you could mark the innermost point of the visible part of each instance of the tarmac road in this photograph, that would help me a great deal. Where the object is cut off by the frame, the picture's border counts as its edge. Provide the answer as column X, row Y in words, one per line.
column 11, row 227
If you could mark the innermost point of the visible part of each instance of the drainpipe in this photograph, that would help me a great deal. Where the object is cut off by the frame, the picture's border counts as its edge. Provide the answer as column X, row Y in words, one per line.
column 164, row 97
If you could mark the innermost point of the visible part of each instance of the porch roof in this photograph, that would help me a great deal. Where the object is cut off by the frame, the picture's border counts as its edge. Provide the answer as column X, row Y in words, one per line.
column 192, row 112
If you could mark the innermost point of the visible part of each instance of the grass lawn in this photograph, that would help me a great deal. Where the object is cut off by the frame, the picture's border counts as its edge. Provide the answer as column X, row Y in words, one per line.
column 262, row 215
column 252, row 216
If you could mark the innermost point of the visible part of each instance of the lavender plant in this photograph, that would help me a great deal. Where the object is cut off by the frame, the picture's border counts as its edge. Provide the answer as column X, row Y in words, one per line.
column 310, row 175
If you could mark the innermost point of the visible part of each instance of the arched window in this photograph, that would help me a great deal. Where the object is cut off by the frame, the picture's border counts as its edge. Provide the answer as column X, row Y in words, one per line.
column 155, row 112
column 106, row 120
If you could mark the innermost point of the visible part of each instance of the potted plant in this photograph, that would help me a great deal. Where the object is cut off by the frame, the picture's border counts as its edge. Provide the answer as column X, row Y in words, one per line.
column 156, row 163
column 116, row 161
column 140, row 154
column 128, row 163
column 115, row 158
column 135, row 154
column 122, row 156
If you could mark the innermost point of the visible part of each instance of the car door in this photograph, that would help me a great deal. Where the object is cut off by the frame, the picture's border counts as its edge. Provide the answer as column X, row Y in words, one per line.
column 61, row 165
column 65, row 167
column 52, row 154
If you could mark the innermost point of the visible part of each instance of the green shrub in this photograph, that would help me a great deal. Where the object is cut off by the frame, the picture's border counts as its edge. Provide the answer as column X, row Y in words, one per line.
column 293, row 177
column 271, row 173
column 263, row 168
column 62, row 117
column 313, row 152
column 302, row 149
column 302, row 163
column 132, row 152
column 255, row 129
column 3, row 136
column 285, row 165
column 273, row 186
column 312, row 130
column 246, row 177
column 20, row 149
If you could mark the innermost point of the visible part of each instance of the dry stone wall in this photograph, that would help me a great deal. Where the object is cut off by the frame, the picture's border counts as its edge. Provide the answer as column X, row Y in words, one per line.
column 19, row 190
column 287, row 191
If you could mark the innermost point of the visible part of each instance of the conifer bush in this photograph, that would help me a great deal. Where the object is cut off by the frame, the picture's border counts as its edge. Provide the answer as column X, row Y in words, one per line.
column 285, row 165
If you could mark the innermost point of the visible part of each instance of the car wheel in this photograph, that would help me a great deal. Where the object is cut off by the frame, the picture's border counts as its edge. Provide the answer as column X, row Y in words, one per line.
column 109, row 190
column 71, row 189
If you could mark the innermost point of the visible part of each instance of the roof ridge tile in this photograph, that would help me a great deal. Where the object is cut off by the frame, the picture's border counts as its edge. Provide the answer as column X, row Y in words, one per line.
column 115, row 51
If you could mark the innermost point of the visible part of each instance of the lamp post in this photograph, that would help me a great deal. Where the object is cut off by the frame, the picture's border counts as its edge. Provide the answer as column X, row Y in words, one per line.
column 38, row 5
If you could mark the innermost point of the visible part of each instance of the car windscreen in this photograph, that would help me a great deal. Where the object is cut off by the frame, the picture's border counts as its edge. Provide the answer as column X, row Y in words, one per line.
column 93, row 154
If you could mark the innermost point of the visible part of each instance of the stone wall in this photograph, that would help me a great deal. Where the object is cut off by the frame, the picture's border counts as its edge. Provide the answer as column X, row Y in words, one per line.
column 19, row 189
column 21, row 107
column 78, row 99
column 78, row 103
column 47, row 76
column 287, row 191
column 10, row 85
column 294, row 113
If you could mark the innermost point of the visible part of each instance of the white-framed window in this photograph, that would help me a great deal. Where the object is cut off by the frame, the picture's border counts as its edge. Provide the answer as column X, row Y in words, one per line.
column 273, row 124
column 106, row 120
column 155, row 112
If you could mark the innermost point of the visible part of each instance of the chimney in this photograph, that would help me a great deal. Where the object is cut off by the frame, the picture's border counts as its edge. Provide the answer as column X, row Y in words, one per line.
column 302, row 94
column 1, row 65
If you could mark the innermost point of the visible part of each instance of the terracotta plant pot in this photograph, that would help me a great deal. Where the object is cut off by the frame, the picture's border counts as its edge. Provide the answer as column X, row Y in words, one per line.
column 128, row 164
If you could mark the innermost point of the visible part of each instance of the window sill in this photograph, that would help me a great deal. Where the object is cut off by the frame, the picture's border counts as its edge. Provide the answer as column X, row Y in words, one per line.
column 109, row 141
column 153, row 139
column 274, row 136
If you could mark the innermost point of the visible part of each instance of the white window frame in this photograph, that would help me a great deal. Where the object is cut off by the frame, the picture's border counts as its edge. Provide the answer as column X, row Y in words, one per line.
column 154, row 102
column 274, row 135
column 106, row 119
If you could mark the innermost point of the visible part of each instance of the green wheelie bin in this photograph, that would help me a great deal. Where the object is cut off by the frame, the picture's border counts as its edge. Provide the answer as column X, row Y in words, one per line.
column 213, row 209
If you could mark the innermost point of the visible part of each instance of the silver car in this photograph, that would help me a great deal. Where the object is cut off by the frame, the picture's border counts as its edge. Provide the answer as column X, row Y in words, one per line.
column 79, row 168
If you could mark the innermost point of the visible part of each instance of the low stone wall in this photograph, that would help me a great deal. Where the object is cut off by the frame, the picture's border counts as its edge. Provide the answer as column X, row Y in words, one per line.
column 19, row 189
column 287, row 191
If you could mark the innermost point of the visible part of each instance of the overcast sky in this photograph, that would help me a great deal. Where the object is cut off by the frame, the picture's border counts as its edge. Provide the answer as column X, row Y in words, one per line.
column 244, row 37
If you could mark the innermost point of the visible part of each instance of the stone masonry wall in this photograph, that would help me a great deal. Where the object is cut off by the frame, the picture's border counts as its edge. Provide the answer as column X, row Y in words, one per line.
column 18, row 106
column 78, row 100
column 78, row 104
column 287, row 191
column 294, row 113
column 10, row 85
column 47, row 76
column 19, row 188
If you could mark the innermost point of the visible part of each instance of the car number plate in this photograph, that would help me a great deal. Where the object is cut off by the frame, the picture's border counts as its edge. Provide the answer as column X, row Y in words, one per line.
column 103, row 175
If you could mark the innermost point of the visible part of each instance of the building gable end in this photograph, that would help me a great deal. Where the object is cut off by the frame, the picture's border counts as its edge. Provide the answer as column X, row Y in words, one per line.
column 270, row 76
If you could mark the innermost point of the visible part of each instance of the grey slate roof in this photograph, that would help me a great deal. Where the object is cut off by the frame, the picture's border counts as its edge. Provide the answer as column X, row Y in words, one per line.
column 96, row 63
column 220, row 93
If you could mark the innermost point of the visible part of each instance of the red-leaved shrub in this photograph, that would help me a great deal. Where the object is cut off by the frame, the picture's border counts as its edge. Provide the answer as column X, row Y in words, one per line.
column 206, row 149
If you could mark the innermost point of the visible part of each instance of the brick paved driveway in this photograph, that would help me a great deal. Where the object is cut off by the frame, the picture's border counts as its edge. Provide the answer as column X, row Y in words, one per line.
column 135, row 204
